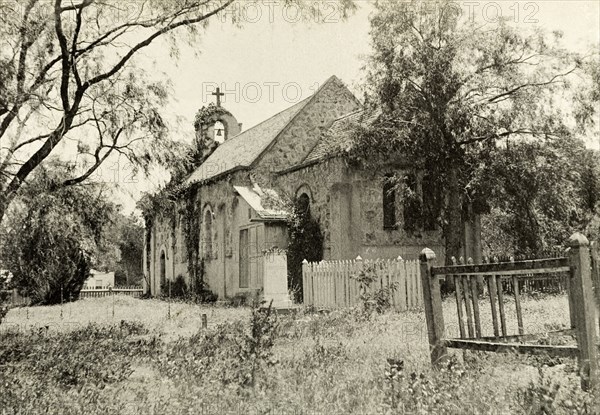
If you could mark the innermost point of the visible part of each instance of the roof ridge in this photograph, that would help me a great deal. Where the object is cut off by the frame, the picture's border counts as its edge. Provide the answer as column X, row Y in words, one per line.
column 274, row 127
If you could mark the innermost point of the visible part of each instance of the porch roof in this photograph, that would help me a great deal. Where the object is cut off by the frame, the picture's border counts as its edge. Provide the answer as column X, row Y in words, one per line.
column 265, row 202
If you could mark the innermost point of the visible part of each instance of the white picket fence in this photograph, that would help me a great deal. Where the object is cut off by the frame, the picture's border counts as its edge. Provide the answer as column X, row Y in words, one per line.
column 135, row 292
column 333, row 284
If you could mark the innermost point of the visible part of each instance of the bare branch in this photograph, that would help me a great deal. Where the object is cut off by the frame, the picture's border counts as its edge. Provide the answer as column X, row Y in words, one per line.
column 552, row 80
column 149, row 40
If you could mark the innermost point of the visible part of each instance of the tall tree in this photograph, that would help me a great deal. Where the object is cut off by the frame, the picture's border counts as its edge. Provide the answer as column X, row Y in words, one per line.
column 68, row 70
column 444, row 89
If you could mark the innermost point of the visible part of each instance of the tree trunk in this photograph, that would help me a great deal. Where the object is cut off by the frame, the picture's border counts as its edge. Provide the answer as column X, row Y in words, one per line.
column 453, row 231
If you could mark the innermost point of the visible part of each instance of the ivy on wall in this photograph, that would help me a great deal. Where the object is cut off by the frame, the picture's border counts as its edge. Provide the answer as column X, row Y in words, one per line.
column 208, row 115
column 191, row 234
column 177, row 199
column 305, row 242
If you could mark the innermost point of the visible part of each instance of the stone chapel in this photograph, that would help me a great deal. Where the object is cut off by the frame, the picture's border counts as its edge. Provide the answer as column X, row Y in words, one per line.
column 241, row 188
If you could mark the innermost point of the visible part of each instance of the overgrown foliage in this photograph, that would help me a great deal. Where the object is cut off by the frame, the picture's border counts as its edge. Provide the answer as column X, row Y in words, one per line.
column 52, row 237
column 542, row 191
column 305, row 243
column 373, row 299
column 328, row 362
column 443, row 89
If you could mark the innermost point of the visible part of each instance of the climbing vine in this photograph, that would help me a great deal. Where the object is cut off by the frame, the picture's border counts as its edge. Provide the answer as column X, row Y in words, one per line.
column 208, row 113
column 305, row 242
column 191, row 232
column 178, row 199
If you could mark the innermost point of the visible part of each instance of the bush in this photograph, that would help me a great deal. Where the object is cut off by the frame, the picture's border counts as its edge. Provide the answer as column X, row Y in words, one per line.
column 378, row 300
column 51, row 237
column 97, row 355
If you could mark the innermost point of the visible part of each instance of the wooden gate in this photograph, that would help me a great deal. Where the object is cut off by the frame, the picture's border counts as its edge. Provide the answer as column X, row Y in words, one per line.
column 576, row 265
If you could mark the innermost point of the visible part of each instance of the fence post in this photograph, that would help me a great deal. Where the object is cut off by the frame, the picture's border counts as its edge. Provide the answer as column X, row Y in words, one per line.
column 304, row 282
column 360, row 268
column 595, row 253
column 432, row 301
column 584, row 309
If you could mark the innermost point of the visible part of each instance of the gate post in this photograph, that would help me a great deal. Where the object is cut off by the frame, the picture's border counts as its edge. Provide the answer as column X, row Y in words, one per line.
column 584, row 308
column 432, row 301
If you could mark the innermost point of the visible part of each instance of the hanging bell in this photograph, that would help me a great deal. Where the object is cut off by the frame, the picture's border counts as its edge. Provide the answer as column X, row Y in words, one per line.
column 219, row 132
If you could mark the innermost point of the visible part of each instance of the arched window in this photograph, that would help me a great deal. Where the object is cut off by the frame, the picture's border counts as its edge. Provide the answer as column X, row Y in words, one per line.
column 163, row 268
column 389, row 202
column 208, row 234
column 303, row 204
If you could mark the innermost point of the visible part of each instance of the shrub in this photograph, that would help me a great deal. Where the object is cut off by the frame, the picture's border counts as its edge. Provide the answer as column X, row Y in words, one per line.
column 52, row 236
column 373, row 299
column 97, row 355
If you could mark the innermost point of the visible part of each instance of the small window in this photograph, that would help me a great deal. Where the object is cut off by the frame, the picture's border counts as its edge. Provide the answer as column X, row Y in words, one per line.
column 98, row 284
column 389, row 202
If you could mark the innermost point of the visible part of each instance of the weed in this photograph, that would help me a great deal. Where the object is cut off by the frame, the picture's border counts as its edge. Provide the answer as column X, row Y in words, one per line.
column 374, row 299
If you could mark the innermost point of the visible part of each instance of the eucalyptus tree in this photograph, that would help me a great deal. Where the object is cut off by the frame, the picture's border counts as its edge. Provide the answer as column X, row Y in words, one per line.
column 443, row 90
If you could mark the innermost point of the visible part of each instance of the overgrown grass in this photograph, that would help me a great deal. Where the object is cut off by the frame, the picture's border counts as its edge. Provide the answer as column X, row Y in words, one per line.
column 252, row 362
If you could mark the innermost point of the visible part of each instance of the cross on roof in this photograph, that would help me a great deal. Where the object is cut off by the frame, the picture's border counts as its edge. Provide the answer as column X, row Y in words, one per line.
column 218, row 94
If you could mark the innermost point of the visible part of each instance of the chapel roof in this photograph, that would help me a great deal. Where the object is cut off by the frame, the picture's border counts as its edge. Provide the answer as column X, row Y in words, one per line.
column 243, row 149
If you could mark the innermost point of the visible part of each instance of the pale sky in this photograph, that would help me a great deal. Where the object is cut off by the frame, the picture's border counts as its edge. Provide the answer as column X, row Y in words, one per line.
column 270, row 63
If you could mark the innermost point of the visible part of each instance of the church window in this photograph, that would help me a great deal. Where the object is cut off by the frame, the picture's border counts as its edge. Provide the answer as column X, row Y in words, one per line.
column 389, row 203
column 303, row 204
column 208, row 234
column 163, row 268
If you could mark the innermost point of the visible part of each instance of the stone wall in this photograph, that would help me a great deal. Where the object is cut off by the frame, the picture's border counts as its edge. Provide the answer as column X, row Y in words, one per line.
column 348, row 203
column 332, row 101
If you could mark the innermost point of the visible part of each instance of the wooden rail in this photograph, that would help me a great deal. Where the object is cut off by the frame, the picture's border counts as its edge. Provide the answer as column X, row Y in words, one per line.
column 581, row 270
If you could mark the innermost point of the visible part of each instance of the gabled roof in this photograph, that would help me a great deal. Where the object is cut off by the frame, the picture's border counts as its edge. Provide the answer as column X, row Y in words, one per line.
column 265, row 202
column 243, row 149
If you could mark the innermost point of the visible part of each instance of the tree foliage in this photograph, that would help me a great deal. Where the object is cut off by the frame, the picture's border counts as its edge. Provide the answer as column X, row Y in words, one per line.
column 53, row 235
column 70, row 73
column 443, row 90
column 541, row 192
